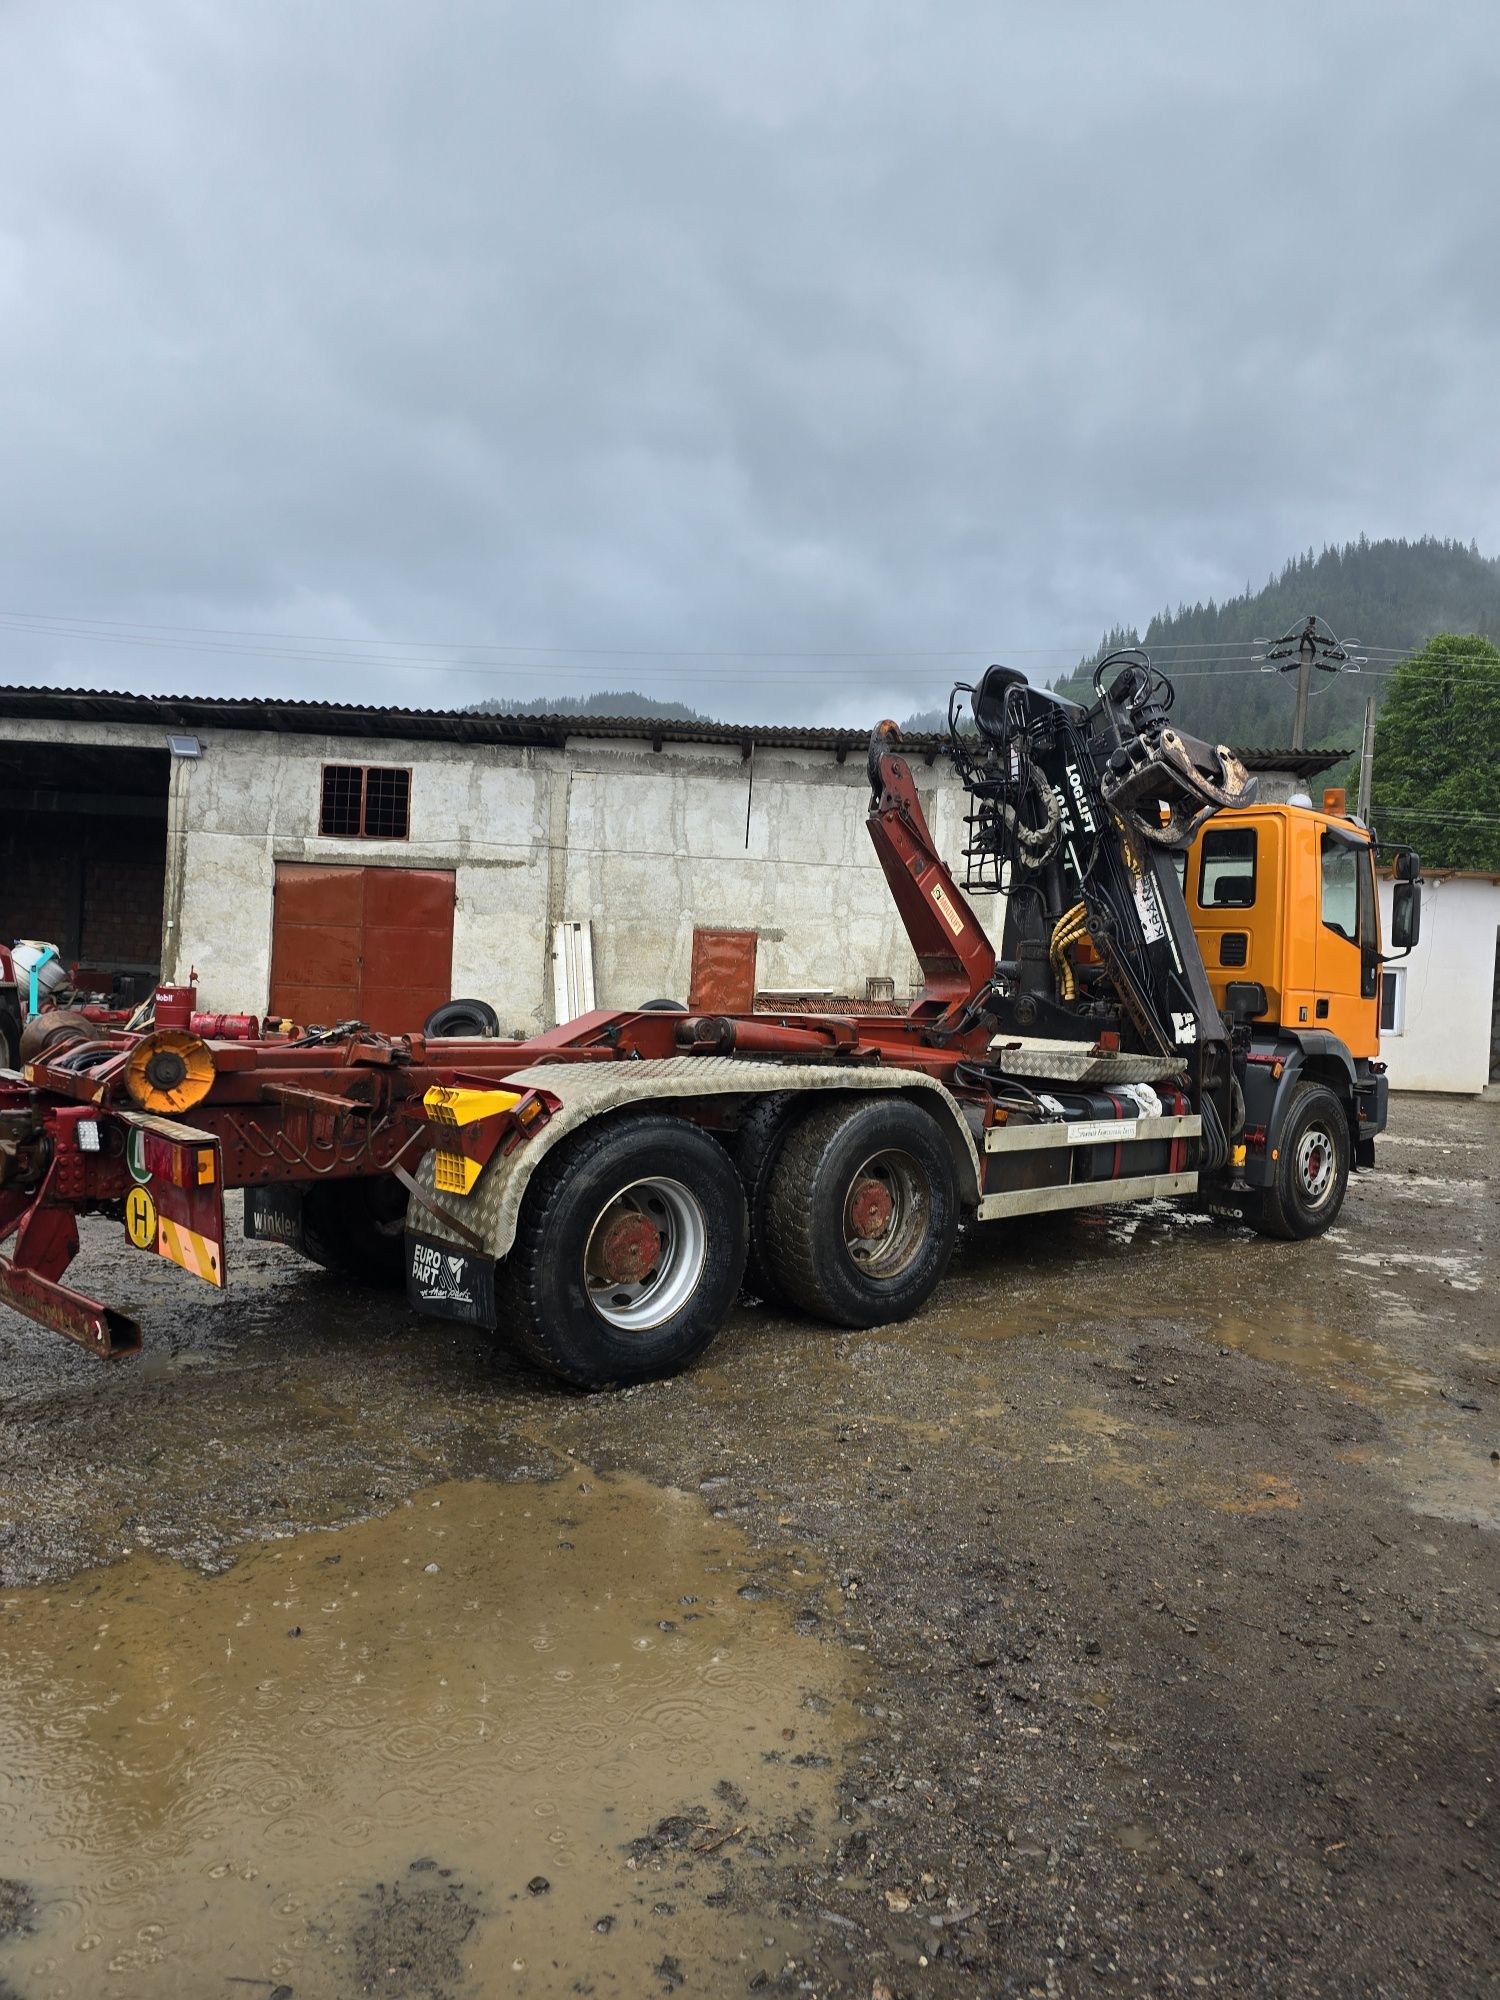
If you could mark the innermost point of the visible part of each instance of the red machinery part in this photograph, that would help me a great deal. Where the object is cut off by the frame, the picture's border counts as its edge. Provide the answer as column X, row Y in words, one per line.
column 225, row 1027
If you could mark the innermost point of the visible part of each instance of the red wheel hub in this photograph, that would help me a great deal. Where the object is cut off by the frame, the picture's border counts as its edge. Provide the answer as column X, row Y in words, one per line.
column 870, row 1209
column 629, row 1250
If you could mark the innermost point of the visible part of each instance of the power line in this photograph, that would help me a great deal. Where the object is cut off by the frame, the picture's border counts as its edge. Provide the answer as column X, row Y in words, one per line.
column 1451, row 822
column 1189, row 669
column 137, row 625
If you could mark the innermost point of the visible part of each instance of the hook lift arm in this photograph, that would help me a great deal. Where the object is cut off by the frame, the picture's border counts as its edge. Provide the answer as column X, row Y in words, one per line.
column 951, row 946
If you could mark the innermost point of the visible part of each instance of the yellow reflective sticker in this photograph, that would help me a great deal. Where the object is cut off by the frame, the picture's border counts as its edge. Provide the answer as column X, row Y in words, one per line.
column 140, row 1219
column 190, row 1251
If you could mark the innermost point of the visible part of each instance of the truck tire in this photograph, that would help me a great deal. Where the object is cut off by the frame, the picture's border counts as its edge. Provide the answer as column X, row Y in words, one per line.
column 474, row 1020
column 1312, row 1172
column 862, row 1212
column 757, row 1147
column 358, row 1229
column 628, row 1254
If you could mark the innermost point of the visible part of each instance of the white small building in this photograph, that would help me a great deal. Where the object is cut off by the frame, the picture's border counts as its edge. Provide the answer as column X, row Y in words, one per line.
column 1440, row 1006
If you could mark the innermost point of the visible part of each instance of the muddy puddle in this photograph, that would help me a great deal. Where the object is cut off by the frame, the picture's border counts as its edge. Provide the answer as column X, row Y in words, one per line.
column 509, row 1738
column 1425, row 1452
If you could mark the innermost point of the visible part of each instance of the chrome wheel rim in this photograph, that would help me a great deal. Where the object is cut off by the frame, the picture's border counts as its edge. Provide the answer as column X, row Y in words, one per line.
column 886, row 1213
column 1315, row 1158
column 632, row 1285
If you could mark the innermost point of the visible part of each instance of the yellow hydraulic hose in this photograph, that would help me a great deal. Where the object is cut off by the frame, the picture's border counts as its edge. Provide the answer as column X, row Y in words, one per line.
column 1070, row 927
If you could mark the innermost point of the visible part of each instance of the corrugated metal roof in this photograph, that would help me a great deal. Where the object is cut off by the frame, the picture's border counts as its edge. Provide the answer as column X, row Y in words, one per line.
column 456, row 725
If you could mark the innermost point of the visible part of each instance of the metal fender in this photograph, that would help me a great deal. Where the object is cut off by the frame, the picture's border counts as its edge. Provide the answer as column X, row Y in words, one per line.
column 487, row 1215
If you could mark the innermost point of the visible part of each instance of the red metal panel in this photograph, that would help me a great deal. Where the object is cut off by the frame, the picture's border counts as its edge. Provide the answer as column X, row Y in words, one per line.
column 723, row 974
column 317, row 942
column 367, row 944
column 410, row 898
column 408, row 946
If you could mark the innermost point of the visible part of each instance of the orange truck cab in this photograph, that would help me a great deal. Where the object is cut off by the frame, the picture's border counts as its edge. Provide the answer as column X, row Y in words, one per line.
column 1282, row 902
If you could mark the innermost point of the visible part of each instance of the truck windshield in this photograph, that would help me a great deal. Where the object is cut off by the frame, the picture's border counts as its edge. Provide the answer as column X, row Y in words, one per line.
column 1226, row 870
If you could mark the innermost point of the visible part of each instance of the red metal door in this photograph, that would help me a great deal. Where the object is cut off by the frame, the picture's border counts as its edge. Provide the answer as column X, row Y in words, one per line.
column 408, row 955
column 361, row 944
column 722, row 980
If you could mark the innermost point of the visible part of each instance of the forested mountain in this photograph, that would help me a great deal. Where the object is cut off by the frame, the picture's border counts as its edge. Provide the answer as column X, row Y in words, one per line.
column 1390, row 596
column 628, row 702
column 619, row 702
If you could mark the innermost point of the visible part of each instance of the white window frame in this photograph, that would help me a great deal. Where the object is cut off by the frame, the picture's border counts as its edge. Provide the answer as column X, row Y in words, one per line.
column 1396, row 974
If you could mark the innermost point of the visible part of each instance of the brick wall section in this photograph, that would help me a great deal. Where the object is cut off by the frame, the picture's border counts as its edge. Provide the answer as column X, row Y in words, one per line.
column 39, row 893
column 121, row 912
column 56, row 871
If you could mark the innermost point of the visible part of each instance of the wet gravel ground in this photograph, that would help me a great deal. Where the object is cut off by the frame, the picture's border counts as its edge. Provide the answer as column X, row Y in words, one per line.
column 1166, row 1557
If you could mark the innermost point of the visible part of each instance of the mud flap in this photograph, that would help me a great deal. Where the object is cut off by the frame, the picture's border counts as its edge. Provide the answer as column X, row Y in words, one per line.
column 175, row 1206
column 274, row 1215
column 445, row 1283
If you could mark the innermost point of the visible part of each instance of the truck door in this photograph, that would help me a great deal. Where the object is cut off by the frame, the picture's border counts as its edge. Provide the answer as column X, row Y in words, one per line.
column 1348, row 944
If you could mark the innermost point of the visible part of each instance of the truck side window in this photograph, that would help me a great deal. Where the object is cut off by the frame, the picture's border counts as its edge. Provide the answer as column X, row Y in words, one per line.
column 1341, row 897
column 1226, row 868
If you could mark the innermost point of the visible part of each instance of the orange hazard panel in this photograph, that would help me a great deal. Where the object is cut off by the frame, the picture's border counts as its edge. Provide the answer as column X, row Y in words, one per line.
column 723, row 977
column 361, row 944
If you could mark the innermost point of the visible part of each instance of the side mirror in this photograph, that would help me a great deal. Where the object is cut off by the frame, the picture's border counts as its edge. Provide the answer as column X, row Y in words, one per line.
column 1406, row 914
column 1408, row 867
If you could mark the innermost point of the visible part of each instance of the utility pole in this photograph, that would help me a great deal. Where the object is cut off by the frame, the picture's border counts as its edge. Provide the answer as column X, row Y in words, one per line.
column 1366, row 762
column 1305, row 648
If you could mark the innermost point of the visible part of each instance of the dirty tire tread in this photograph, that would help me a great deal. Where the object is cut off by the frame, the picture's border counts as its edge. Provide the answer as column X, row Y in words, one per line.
column 796, row 1242
column 1279, row 1212
column 467, row 1019
column 761, row 1139
column 522, row 1312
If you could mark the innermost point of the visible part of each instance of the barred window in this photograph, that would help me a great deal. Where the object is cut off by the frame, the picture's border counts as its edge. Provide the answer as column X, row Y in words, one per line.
column 365, row 802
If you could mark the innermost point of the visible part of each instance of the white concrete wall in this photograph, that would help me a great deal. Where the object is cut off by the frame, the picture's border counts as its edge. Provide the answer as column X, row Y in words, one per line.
column 643, row 844
column 1449, row 979
column 252, row 800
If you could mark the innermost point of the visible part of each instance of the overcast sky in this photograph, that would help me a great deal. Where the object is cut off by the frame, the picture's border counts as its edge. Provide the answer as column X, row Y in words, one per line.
column 662, row 342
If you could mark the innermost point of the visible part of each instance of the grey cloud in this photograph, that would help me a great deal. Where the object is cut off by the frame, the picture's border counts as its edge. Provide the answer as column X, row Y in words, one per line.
column 661, row 326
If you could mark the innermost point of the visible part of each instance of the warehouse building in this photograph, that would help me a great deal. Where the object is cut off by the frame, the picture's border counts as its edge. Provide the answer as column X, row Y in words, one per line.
column 332, row 862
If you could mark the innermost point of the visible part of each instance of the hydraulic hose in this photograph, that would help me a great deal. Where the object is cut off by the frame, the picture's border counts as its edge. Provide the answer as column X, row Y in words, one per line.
column 1071, row 926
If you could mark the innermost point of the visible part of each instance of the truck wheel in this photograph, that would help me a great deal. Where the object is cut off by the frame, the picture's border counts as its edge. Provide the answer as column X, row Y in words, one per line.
column 862, row 1212
column 358, row 1228
column 475, row 1020
column 1313, row 1170
column 757, row 1147
column 628, row 1252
